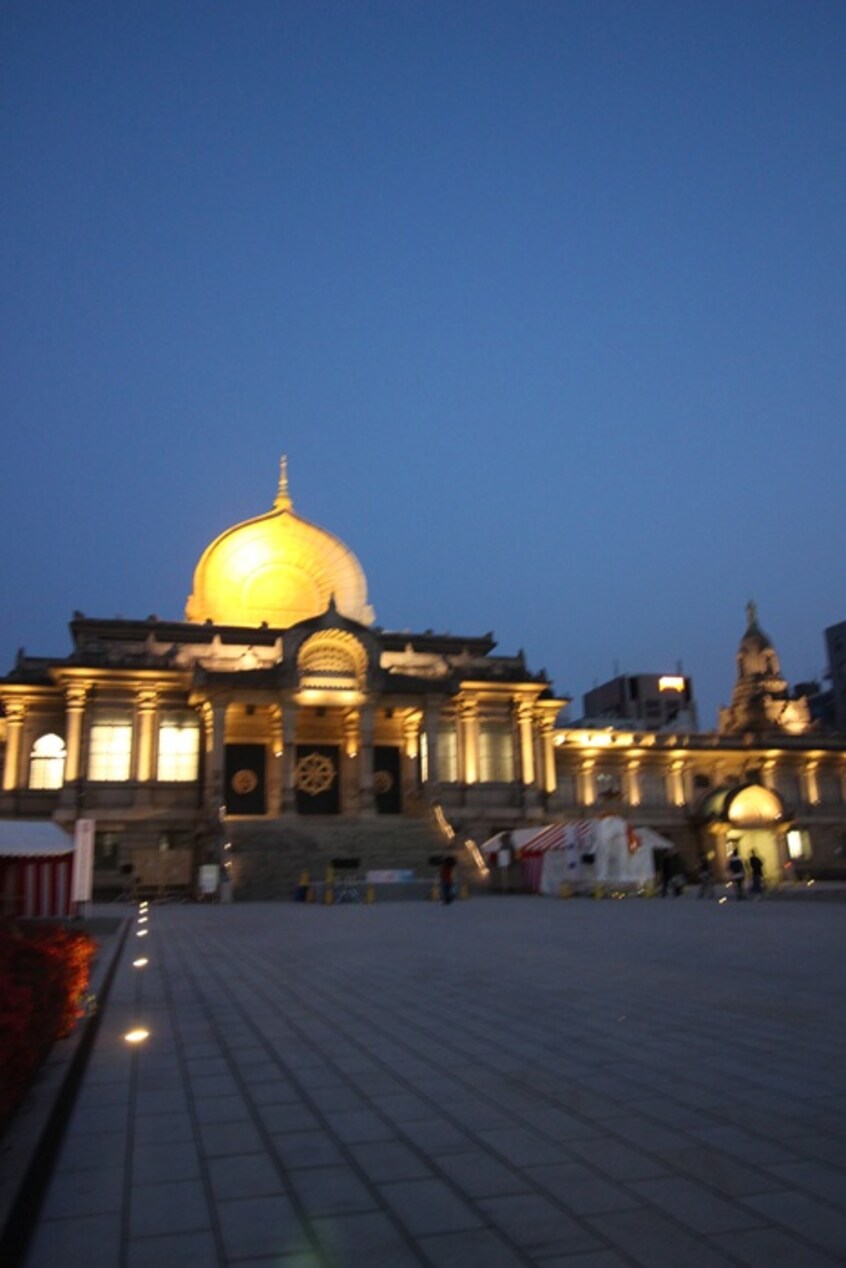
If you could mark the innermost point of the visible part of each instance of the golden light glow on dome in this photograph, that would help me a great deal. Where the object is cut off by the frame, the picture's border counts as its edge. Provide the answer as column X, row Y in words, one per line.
column 277, row 569
column 754, row 807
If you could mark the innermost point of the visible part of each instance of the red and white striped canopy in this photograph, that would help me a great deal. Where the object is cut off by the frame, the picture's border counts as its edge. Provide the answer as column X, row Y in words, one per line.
column 551, row 838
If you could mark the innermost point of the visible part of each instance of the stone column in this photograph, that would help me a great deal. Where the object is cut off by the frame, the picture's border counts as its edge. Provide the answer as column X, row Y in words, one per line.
column 677, row 782
column 350, row 760
column 411, row 725
column 15, row 714
column 587, row 781
column 432, row 715
column 277, row 749
column 366, row 801
column 469, row 730
column 525, row 717
column 146, row 710
column 546, row 728
column 289, row 757
column 213, row 713
column 810, row 788
column 632, row 785
column 75, row 698
column 768, row 774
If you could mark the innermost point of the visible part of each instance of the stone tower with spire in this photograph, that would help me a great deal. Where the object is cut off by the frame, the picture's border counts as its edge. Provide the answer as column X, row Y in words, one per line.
column 761, row 703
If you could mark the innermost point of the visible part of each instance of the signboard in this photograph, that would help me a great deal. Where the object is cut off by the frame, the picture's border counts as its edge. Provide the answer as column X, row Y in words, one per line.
column 209, row 878
column 83, row 861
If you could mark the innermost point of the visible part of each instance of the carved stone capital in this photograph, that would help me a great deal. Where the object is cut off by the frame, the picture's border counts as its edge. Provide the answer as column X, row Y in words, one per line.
column 76, row 695
column 525, row 711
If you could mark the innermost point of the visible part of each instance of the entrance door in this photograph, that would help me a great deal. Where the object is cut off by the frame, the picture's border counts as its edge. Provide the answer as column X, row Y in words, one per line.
column 765, row 843
column 244, row 793
column 317, row 779
column 387, row 783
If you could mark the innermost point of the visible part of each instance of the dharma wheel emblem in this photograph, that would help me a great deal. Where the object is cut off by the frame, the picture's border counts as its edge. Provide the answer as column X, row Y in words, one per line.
column 383, row 782
column 314, row 774
column 244, row 781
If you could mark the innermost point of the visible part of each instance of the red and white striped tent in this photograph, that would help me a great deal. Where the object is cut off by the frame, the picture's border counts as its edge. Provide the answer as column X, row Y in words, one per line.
column 533, row 847
column 553, row 856
column 36, row 867
column 584, row 852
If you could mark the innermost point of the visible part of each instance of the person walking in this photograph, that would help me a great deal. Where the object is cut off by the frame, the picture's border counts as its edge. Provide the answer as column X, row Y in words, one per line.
column 447, row 879
column 672, row 874
column 737, row 873
column 504, row 859
column 667, row 871
column 756, row 869
column 706, row 878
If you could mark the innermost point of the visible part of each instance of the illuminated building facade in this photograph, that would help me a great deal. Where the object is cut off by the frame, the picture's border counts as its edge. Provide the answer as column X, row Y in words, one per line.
column 765, row 780
column 278, row 717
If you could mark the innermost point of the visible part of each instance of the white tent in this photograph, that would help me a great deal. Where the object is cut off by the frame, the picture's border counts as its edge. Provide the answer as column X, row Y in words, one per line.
column 653, row 840
column 583, row 853
column 602, row 851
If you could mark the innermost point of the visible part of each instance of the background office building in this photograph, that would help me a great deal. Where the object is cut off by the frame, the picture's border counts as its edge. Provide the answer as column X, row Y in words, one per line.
column 652, row 702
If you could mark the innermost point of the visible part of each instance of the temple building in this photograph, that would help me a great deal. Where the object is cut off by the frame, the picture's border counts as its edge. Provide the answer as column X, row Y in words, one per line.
column 279, row 722
column 280, row 710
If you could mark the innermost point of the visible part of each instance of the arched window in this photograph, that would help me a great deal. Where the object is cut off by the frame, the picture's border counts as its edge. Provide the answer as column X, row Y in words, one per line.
column 332, row 660
column 47, row 762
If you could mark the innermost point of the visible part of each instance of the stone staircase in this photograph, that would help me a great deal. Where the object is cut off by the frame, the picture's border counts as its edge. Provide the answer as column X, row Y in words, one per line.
column 269, row 857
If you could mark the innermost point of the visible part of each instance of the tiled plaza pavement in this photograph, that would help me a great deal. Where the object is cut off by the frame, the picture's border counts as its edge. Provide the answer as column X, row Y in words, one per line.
column 507, row 1081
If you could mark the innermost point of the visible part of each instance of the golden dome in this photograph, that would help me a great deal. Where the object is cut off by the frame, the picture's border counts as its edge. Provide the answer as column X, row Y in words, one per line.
column 277, row 569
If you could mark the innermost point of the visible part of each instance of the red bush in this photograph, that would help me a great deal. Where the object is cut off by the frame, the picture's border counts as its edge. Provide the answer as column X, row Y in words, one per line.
column 44, row 971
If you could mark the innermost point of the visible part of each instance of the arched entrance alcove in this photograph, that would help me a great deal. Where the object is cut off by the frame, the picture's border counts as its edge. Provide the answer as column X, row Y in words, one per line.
column 750, row 817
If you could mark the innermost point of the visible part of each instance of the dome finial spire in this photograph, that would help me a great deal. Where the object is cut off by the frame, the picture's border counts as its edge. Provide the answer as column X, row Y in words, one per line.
column 283, row 498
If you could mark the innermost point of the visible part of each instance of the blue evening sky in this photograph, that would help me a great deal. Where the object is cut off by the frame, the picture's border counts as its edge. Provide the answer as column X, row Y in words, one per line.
column 545, row 302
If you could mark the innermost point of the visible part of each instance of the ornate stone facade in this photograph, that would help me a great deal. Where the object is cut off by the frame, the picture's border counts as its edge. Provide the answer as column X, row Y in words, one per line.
column 279, row 709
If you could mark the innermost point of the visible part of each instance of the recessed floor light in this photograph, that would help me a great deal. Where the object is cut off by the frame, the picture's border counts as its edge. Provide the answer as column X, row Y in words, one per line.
column 137, row 1036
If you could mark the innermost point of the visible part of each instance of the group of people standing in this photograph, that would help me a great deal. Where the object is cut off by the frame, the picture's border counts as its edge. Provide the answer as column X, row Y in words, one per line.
column 673, row 877
column 738, row 872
